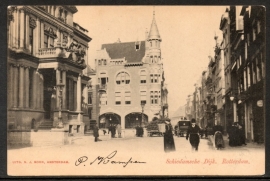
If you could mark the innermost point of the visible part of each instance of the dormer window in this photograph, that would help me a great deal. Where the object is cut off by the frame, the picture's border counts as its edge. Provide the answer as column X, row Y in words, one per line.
column 137, row 46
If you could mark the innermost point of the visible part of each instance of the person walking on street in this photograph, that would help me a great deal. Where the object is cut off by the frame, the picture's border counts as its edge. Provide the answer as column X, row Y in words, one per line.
column 119, row 130
column 96, row 134
column 168, row 137
column 193, row 134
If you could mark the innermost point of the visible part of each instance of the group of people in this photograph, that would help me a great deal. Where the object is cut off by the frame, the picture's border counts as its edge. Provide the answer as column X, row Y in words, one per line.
column 193, row 133
column 236, row 135
column 112, row 129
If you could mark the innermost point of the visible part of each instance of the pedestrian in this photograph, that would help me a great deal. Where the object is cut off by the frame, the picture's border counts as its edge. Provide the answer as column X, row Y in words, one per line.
column 168, row 137
column 113, row 131
column 193, row 135
column 234, row 135
column 119, row 130
column 96, row 134
column 218, row 136
column 242, row 137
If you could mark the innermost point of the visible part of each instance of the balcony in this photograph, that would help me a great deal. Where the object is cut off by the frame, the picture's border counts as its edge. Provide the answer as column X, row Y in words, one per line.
column 52, row 53
column 102, row 88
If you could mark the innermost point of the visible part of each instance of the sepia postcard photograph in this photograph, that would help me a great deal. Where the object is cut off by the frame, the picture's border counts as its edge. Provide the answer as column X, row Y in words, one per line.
column 136, row 90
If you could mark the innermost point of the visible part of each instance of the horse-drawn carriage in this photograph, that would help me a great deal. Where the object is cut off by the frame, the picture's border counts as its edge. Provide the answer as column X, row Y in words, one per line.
column 181, row 128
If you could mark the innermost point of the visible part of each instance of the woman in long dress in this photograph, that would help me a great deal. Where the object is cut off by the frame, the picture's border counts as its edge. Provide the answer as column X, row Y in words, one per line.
column 193, row 135
column 168, row 137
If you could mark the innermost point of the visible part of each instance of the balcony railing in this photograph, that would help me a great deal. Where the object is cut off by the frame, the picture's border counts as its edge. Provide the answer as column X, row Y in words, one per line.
column 103, row 86
column 51, row 52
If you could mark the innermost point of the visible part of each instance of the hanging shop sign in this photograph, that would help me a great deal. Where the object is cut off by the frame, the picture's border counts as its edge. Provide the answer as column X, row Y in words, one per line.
column 260, row 103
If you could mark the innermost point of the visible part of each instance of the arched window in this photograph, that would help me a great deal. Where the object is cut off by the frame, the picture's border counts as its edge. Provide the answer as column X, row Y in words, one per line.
column 122, row 78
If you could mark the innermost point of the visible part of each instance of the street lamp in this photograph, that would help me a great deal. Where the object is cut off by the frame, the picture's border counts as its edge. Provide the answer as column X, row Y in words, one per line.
column 142, row 105
column 60, row 86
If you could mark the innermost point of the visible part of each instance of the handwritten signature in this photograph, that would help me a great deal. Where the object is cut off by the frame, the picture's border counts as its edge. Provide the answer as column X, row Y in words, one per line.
column 105, row 160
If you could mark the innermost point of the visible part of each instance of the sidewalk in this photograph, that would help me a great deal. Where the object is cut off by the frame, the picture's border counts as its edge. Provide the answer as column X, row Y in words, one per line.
column 250, row 145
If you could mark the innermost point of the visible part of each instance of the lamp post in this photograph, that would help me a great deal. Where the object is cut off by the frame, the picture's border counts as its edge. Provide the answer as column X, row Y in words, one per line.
column 60, row 86
column 142, row 105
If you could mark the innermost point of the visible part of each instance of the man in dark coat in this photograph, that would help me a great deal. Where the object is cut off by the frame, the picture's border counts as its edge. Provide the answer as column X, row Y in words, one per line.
column 193, row 135
column 168, row 137
column 96, row 135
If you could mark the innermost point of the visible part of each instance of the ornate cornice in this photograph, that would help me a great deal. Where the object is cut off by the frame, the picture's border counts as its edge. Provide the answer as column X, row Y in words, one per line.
column 50, row 19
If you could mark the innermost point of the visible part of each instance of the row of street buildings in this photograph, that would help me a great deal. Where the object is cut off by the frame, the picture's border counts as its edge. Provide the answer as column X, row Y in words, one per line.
column 51, row 85
column 232, row 88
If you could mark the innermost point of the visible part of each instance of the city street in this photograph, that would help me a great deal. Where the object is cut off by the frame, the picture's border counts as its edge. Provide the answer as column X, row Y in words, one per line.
column 145, row 149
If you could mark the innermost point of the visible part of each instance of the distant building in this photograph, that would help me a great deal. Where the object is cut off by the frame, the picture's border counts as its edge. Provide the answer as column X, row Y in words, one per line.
column 131, row 81
column 178, row 115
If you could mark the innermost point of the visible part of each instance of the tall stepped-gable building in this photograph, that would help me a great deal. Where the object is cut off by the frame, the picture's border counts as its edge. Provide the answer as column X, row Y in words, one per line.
column 131, row 81
column 46, row 51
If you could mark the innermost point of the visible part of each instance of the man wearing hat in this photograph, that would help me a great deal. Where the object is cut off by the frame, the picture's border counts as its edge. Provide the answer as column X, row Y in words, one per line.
column 168, row 137
column 193, row 134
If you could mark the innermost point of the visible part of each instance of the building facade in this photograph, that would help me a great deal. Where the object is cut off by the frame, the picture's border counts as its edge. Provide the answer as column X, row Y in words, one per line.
column 130, row 81
column 47, row 55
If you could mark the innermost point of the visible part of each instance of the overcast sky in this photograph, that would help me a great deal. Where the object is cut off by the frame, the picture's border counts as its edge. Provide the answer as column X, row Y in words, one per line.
column 187, row 34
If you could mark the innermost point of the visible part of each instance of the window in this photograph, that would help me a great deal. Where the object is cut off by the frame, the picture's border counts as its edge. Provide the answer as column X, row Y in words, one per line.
column 258, row 26
column 254, row 73
column 122, row 78
column 154, row 78
column 248, row 76
column 90, row 98
column 49, row 36
column 259, row 69
column 127, row 98
column 254, row 33
column 118, row 98
column 31, row 30
column 245, row 80
column 143, row 76
column 90, row 112
column 154, row 97
column 263, row 65
column 143, row 97
column 103, row 99
column 99, row 62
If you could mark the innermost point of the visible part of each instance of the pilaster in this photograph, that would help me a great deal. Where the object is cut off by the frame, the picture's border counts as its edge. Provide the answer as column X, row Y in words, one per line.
column 27, row 83
column 21, row 87
column 22, row 43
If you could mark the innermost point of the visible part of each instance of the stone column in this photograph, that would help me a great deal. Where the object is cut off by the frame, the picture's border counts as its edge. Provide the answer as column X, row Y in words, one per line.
column 58, row 77
column 27, row 31
column 70, row 99
column 58, row 37
column 41, row 91
column 21, row 87
column 22, row 29
column 79, row 94
column 36, row 37
column 64, row 89
column 15, row 93
column 27, row 83
column 41, row 34
column 38, row 90
column 34, row 90
column 85, row 92
column 75, row 95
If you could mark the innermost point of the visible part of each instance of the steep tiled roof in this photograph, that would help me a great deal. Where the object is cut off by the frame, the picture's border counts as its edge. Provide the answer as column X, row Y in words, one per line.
column 127, row 50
